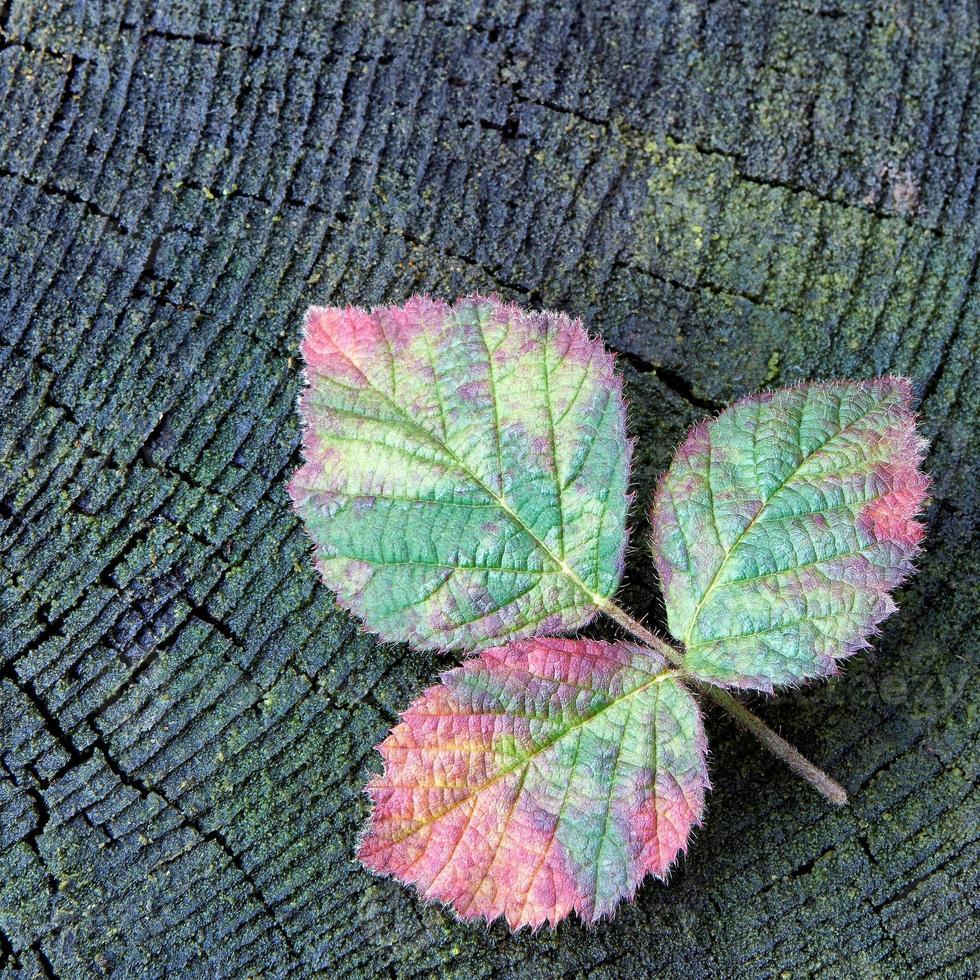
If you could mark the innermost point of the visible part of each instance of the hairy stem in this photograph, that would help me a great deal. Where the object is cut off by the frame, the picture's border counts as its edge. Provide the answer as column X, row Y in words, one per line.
column 817, row 778
column 658, row 643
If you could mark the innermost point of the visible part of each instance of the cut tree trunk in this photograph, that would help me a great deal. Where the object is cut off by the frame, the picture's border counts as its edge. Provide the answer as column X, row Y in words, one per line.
column 733, row 194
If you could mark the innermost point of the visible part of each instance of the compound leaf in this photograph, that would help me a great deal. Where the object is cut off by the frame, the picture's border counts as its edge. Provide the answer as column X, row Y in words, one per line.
column 782, row 526
column 466, row 469
column 540, row 778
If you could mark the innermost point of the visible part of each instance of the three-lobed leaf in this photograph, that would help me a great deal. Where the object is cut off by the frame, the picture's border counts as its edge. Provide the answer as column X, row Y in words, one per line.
column 466, row 469
column 543, row 777
column 465, row 485
column 782, row 526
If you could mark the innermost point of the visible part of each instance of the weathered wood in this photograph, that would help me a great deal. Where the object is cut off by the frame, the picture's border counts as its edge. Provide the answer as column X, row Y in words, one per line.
column 734, row 194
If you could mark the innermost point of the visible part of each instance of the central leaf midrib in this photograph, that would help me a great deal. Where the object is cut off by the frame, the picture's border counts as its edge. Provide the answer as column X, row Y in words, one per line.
column 502, row 503
column 659, row 678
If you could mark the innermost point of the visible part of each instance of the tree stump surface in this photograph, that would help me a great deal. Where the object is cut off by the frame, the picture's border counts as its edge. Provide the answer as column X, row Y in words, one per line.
column 734, row 194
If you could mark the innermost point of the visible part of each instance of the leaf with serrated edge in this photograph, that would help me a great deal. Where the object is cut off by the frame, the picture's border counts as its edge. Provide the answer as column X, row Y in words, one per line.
column 782, row 526
column 540, row 778
column 466, row 469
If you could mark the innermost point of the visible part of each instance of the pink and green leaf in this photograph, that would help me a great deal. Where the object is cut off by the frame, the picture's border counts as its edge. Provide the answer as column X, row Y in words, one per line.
column 466, row 469
column 784, row 524
column 465, row 486
column 541, row 778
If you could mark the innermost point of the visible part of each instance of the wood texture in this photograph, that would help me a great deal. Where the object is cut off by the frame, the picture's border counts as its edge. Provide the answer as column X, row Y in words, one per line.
column 733, row 194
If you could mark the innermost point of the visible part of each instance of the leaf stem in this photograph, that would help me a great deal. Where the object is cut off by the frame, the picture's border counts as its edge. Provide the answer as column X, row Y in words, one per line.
column 817, row 778
column 658, row 643
column 828, row 788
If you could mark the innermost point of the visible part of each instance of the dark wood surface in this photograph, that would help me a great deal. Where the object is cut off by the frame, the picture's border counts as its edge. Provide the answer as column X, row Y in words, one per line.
column 733, row 194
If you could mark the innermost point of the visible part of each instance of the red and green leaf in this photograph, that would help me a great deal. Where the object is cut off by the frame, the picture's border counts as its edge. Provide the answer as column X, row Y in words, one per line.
column 783, row 525
column 541, row 778
column 466, row 469
column 465, row 486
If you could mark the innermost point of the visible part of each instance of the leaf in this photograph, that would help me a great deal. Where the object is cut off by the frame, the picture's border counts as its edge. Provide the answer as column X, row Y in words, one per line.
column 540, row 778
column 782, row 526
column 466, row 469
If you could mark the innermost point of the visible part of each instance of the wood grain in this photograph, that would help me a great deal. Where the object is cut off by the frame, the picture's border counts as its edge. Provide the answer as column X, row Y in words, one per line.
column 733, row 194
